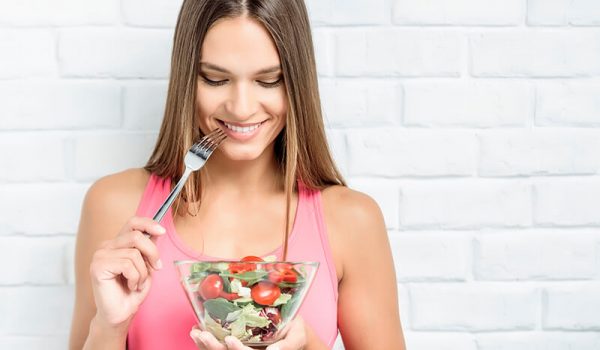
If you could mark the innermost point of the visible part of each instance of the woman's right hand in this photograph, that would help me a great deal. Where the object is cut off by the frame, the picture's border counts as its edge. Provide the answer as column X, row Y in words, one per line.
column 121, row 271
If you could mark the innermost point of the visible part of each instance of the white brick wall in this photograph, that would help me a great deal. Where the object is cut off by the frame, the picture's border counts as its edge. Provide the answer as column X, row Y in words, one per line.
column 473, row 123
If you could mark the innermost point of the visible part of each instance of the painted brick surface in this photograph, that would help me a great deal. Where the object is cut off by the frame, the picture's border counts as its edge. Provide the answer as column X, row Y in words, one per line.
column 472, row 123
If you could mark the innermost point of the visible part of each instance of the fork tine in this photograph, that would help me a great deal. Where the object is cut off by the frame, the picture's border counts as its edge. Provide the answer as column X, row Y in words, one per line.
column 214, row 143
column 207, row 139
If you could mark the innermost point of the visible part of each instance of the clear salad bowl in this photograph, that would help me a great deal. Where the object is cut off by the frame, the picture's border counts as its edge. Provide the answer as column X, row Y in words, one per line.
column 250, row 299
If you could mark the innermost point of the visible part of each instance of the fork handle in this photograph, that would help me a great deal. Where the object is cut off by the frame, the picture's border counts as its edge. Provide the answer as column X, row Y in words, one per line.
column 174, row 192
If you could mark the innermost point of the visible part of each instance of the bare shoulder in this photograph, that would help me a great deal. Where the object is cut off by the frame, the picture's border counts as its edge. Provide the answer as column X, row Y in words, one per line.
column 115, row 197
column 351, row 210
column 355, row 226
column 126, row 183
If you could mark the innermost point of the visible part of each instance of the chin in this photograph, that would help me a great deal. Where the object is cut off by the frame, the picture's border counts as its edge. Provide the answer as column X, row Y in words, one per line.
column 241, row 153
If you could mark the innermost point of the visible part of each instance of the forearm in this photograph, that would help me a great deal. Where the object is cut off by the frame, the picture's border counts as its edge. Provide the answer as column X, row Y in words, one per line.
column 106, row 337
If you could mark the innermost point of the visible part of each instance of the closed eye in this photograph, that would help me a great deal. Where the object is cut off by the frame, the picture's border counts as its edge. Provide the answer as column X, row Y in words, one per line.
column 214, row 82
column 270, row 84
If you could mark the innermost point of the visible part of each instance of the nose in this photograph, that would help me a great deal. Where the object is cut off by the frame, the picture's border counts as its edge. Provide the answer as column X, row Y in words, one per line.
column 242, row 103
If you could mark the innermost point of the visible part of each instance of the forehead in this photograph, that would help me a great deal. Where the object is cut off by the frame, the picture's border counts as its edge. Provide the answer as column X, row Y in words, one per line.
column 240, row 44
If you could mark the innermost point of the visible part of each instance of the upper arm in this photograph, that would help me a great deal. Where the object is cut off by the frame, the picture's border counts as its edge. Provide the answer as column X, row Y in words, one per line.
column 368, row 312
column 108, row 204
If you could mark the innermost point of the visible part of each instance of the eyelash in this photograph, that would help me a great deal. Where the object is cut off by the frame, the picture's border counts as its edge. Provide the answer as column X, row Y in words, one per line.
column 261, row 83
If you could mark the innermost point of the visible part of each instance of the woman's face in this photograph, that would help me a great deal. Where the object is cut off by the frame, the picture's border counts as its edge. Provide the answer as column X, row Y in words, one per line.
column 240, row 87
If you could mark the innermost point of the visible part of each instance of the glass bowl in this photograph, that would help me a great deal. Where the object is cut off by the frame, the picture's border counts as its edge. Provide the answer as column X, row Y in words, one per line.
column 251, row 300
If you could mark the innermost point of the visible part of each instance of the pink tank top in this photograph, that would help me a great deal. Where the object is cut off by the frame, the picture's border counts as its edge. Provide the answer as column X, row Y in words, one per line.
column 165, row 318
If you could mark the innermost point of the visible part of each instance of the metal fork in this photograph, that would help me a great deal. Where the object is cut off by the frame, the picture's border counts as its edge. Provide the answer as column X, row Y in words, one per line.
column 194, row 159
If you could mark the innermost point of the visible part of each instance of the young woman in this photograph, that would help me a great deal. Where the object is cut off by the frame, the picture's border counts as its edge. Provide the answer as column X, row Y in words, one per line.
column 247, row 67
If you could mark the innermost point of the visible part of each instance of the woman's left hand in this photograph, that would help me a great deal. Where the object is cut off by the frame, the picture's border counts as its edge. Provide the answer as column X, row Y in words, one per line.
column 294, row 339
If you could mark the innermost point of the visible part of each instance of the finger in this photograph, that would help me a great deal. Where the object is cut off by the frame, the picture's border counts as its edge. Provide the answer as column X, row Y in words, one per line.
column 110, row 268
column 234, row 343
column 208, row 341
column 295, row 338
column 135, row 239
column 195, row 334
column 143, row 224
column 137, row 260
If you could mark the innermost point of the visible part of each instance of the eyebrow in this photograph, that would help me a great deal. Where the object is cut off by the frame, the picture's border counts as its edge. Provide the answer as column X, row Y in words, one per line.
column 214, row 67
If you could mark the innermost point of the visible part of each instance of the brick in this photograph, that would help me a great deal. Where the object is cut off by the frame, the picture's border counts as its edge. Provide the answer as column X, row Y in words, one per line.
column 69, row 262
column 144, row 105
column 27, row 53
column 323, row 42
column 339, row 149
column 473, row 307
column 59, row 105
column 538, row 341
column 563, row 12
column 348, row 12
column 568, row 104
column 98, row 155
column 567, row 202
column 397, row 52
column 391, row 152
column 156, row 13
column 19, row 150
column 351, row 103
column 465, row 204
column 467, row 104
column 59, row 12
column 44, row 264
column 56, row 342
column 514, row 54
column 537, row 255
column 118, row 53
column 572, row 307
column 36, row 311
column 40, row 209
column 439, row 341
column 430, row 256
column 386, row 195
column 539, row 152
column 458, row 12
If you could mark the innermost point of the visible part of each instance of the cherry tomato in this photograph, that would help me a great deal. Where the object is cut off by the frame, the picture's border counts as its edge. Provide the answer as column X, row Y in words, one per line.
column 211, row 287
column 265, row 292
column 283, row 276
column 238, row 267
column 275, row 277
column 247, row 264
column 252, row 258
column 283, row 266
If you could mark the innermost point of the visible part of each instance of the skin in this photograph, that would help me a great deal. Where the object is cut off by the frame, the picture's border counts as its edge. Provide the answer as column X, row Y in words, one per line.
column 114, row 262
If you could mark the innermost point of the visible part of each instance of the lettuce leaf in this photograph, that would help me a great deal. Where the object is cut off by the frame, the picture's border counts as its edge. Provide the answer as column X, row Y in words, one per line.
column 214, row 327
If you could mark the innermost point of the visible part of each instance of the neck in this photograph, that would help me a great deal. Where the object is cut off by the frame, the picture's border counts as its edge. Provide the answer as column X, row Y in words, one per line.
column 246, row 177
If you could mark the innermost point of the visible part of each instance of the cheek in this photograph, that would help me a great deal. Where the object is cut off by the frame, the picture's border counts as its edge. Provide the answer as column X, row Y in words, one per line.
column 207, row 101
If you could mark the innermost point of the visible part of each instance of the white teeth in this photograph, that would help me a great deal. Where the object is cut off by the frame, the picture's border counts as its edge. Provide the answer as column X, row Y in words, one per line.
column 243, row 130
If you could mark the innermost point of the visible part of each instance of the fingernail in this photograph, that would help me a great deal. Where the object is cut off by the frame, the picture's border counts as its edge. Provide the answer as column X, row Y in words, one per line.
column 159, row 264
column 228, row 341
column 196, row 335
column 161, row 229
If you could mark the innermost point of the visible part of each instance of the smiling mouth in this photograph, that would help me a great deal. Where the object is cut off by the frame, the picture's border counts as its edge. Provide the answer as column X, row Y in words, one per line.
column 245, row 129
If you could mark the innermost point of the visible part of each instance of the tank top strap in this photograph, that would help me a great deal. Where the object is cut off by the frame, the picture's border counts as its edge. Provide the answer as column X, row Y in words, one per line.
column 157, row 189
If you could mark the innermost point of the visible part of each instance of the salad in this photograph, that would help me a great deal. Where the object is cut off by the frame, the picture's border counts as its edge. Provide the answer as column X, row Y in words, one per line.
column 250, row 299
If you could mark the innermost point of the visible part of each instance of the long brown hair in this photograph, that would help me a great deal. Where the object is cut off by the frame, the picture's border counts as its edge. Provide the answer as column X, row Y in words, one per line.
column 301, row 148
